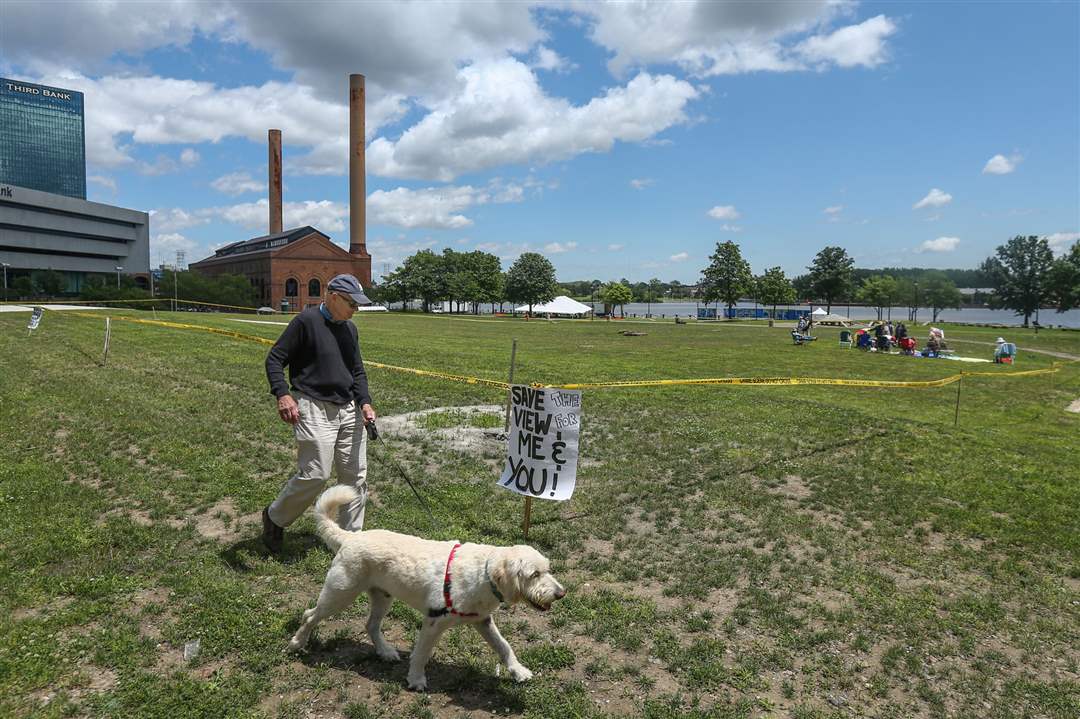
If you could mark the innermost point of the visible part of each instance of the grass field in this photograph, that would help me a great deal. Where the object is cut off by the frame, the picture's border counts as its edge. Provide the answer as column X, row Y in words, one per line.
column 806, row 551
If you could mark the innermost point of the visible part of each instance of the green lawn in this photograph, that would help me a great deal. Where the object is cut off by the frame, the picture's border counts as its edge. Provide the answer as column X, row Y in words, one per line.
column 730, row 551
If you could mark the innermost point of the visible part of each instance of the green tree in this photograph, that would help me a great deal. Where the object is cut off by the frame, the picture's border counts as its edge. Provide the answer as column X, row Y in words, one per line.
column 907, row 294
column 939, row 292
column 455, row 278
column 728, row 276
column 22, row 287
column 774, row 288
column 616, row 294
column 655, row 292
column 878, row 292
column 479, row 277
column 424, row 273
column 52, row 282
column 1065, row 280
column 1019, row 274
column 531, row 280
column 831, row 275
column 396, row 288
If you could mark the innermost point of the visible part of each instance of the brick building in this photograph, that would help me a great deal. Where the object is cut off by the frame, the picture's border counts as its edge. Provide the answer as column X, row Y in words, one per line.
column 293, row 265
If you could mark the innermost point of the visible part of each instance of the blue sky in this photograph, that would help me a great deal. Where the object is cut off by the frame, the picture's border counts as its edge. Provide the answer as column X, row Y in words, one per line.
column 620, row 140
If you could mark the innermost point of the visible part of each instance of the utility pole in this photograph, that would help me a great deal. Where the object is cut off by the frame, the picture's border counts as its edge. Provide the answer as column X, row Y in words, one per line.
column 176, row 272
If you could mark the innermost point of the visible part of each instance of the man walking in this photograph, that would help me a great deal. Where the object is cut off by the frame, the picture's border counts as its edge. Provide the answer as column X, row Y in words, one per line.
column 331, row 407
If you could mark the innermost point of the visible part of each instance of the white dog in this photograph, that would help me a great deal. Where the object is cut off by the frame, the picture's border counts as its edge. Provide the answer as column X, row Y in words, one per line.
column 450, row 583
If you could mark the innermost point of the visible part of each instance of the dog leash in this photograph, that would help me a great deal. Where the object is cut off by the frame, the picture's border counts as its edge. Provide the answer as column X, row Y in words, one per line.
column 373, row 436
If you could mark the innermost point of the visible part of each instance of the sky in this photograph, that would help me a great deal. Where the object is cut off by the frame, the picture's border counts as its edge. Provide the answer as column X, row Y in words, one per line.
column 619, row 140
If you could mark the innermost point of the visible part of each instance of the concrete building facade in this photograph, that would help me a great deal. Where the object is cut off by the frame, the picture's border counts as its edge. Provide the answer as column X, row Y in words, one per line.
column 42, row 231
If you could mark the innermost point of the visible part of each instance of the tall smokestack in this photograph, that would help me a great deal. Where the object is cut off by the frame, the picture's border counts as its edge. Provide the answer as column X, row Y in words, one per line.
column 357, row 181
column 275, row 181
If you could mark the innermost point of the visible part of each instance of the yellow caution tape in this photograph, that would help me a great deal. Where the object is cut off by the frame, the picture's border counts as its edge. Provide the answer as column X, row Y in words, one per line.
column 765, row 381
column 441, row 375
column 746, row 381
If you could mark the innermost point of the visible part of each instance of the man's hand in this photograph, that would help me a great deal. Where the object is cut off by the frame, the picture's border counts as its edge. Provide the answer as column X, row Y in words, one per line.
column 368, row 413
column 287, row 409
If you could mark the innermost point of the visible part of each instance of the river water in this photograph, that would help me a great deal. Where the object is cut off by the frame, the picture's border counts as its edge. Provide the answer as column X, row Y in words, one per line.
column 1048, row 317
column 973, row 315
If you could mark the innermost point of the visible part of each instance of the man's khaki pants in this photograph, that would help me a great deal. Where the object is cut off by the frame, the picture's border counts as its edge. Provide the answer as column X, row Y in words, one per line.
column 328, row 435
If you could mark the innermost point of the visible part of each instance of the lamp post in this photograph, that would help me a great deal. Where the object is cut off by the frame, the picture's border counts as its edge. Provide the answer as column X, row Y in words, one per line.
column 915, row 315
column 118, row 268
column 6, row 265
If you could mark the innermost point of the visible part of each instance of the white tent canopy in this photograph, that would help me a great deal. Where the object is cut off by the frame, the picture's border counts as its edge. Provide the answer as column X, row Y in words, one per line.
column 561, row 305
column 821, row 317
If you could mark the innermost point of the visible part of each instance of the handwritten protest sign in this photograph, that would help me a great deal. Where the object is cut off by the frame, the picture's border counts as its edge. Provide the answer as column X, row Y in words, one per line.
column 542, row 449
column 35, row 318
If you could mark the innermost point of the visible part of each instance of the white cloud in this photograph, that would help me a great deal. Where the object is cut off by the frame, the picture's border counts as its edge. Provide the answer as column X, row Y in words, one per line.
column 708, row 38
column 324, row 215
column 166, row 244
column 851, row 46
column 935, row 198
column 394, row 251
column 680, row 257
column 238, row 183
column 103, row 180
column 1060, row 242
column 173, row 219
column 724, row 212
column 941, row 244
column 122, row 111
column 189, row 157
column 615, row 248
column 500, row 115
column 556, row 248
column 834, row 210
column 730, row 228
column 548, row 59
column 436, row 207
column 640, row 184
column 1001, row 165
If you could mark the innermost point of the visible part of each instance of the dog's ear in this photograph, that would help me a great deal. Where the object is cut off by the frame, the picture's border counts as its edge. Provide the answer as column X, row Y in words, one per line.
column 504, row 574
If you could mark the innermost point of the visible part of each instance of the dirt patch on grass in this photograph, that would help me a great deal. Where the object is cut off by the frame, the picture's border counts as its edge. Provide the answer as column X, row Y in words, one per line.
column 1074, row 406
column 470, row 440
column 794, row 487
column 221, row 522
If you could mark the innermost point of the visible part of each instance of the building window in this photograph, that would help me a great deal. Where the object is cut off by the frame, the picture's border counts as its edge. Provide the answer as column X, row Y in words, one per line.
column 292, row 288
column 314, row 288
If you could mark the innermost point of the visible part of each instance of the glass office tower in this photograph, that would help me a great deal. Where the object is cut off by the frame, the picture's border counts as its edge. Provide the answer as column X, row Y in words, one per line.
column 42, row 138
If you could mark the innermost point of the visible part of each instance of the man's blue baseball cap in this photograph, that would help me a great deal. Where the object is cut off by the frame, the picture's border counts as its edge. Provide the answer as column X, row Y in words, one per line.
column 349, row 285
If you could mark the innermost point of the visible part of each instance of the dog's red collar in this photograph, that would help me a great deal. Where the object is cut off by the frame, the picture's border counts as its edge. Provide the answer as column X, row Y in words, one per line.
column 446, row 590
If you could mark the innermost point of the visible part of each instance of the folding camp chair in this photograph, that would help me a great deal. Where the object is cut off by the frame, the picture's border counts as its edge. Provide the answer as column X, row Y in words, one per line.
column 845, row 338
column 1005, row 353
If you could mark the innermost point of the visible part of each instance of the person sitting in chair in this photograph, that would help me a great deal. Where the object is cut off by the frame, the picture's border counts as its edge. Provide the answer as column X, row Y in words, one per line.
column 1004, row 351
column 881, row 338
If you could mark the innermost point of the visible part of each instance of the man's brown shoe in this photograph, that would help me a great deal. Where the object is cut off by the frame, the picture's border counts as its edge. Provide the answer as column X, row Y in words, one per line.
column 273, row 536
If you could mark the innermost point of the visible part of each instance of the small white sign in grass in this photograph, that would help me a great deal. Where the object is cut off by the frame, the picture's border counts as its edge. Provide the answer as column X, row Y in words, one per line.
column 542, row 446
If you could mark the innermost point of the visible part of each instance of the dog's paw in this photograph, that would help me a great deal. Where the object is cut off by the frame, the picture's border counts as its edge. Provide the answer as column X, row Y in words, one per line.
column 295, row 645
column 418, row 684
column 520, row 673
column 388, row 654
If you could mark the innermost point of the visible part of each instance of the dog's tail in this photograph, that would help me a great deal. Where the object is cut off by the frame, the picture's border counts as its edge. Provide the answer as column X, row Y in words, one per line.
column 326, row 512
